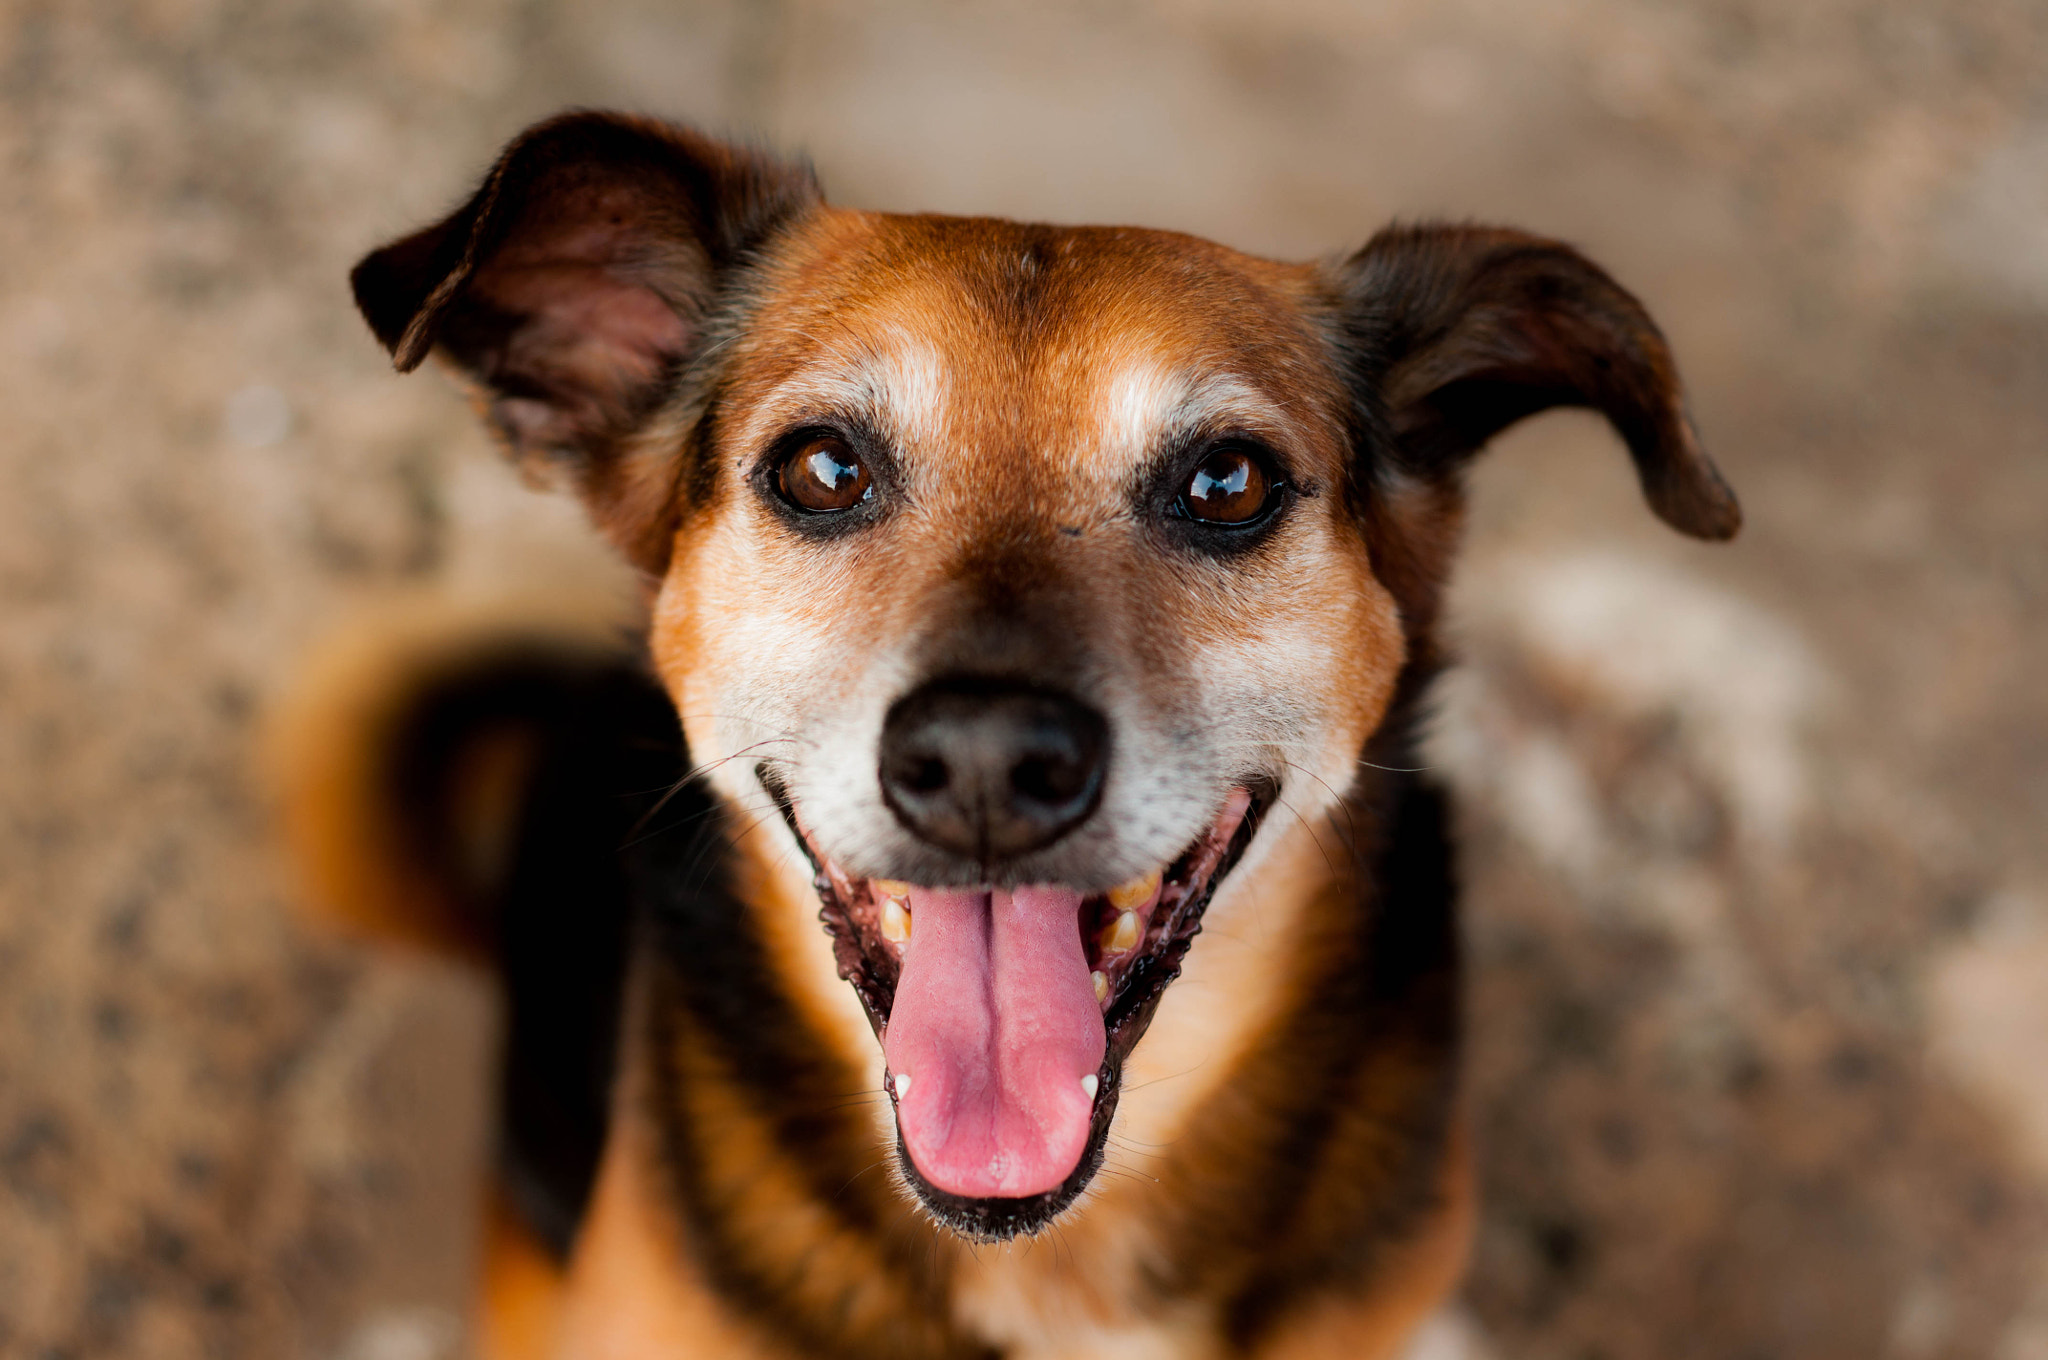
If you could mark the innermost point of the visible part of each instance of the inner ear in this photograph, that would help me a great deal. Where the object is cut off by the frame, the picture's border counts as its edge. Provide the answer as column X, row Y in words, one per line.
column 571, row 344
column 1458, row 332
column 574, row 287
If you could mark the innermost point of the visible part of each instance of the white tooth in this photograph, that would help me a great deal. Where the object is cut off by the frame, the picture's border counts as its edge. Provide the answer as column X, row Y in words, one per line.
column 895, row 921
column 1122, row 935
column 1101, row 983
column 902, row 1085
column 891, row 887
column 1126, row 896
column 1088, row 1084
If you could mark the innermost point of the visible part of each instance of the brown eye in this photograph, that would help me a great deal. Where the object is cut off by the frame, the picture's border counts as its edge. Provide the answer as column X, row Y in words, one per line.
column 1230, row 487
column 824, row 476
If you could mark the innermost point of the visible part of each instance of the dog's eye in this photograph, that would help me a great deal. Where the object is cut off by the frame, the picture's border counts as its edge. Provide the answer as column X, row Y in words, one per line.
column 1230, row 487
column 824, row 476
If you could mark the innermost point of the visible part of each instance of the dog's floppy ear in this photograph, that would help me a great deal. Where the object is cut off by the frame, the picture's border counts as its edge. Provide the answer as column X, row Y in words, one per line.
column 573, row 288
column 1458, row 332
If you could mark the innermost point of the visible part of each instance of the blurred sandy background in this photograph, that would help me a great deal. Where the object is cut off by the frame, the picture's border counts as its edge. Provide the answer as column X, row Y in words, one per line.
column 1755, row 835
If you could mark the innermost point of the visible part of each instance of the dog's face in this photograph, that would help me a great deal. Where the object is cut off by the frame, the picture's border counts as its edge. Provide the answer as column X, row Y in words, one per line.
column 1028, row 572
column 1020, row 570
column 1083, row 490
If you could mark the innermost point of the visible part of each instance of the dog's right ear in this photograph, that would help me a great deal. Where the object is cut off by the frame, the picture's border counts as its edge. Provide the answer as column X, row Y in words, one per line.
column 574, row 288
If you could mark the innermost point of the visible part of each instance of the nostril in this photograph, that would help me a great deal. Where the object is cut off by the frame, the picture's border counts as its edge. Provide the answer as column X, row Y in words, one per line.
column 1049, row 779
column 925, row 776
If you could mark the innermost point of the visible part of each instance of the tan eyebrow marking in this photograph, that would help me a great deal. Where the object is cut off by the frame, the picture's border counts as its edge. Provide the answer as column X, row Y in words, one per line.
column 1146, row 401
column 896, row 379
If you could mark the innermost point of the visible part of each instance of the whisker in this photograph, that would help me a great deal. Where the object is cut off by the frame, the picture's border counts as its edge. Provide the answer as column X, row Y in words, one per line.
column 1396, row 769
column 1130, row 1145
column 866, row 1098
column 760, row 809
column 858, row 1174
column 683, row 781
column 1337, row 800
column 1170, row 1076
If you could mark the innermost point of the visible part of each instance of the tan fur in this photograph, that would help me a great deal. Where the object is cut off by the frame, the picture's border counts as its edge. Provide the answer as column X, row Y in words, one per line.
column 633, row 1290
column 654, row 320
column 1412, row 1282
column 519, row 1304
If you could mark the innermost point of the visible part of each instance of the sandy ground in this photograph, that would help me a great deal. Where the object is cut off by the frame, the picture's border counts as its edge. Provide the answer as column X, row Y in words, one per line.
column 1758, row 884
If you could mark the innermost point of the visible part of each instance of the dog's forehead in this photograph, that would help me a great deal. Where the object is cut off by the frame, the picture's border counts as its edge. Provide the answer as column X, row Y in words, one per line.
column 1086, row 344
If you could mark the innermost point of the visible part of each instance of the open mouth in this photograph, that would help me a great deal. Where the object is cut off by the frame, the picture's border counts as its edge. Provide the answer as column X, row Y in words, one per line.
column 1005, row 1015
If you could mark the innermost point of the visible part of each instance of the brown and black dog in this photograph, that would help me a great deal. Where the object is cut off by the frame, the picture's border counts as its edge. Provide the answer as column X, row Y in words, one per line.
column 1050, row 612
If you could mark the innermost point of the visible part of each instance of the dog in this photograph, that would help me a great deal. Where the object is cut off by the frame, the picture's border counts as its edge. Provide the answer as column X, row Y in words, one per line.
column 995, row 906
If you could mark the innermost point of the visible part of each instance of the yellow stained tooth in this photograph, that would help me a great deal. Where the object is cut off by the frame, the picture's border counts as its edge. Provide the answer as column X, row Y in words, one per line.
column 1126, row 896
column 1122, row 935
column 891, row 887
column 895, row 921
column 1101, row 981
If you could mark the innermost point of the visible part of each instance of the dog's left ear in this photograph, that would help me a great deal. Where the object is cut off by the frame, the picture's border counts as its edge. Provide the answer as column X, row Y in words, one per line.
column 1455, row 333
column 574, row 287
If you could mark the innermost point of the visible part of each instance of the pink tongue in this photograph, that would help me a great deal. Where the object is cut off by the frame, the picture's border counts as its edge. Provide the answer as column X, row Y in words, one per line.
column 995, row 1022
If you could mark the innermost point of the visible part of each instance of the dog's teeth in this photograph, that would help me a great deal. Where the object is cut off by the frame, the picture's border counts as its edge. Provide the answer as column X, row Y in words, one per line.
column 1101, row 981
column 1089, row 1083
column 891, row 887
column 895, row 921
column 1122, row 935
column 902, row 1085
column 1128, row 896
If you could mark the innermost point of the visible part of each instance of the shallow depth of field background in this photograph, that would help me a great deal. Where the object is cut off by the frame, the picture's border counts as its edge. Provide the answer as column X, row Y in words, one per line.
column 1756, row 837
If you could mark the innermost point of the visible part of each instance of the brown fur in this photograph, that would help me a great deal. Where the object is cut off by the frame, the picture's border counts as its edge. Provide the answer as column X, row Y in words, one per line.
column 647, row 316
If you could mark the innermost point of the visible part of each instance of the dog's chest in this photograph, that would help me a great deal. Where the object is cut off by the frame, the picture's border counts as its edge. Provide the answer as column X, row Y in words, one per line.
column 1036, row 1315
column 1077, row 1295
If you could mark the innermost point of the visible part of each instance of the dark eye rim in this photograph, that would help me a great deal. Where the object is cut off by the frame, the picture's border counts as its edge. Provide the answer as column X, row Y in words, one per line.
column 766, row 478
column 1218, row 537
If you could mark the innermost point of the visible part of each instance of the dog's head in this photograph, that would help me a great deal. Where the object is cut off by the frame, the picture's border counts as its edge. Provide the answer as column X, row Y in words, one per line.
column 1016, row 568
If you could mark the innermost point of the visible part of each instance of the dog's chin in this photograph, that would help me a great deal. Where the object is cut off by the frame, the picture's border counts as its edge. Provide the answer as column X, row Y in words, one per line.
column 1128, row 944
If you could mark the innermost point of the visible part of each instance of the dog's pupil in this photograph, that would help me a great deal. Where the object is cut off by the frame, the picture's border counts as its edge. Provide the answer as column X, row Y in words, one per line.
column 1228, row 488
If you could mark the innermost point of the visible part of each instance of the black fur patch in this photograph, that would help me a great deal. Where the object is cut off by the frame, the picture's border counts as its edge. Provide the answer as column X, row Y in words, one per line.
column 604, row 748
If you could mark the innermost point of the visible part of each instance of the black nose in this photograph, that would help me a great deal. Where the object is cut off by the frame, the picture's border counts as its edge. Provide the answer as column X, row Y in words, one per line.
column 990, row 770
